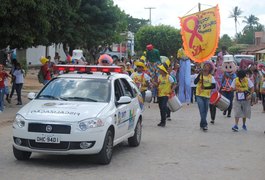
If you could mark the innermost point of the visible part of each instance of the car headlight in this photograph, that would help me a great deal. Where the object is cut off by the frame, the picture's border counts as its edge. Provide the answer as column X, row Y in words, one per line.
column 90, row 123
column 20, row 121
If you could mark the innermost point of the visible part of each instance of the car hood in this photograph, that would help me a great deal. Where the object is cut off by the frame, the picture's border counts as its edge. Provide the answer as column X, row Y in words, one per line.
column 61, row 110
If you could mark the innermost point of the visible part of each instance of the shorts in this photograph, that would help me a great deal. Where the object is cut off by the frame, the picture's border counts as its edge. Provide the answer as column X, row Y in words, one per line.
column 242, row 109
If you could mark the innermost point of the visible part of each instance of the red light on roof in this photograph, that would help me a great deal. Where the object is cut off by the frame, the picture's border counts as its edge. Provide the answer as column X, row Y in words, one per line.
column 118, row 70
column 61, row 68
column 93, row 69
column 105, row 70
column 71, row 68
column 82, row 69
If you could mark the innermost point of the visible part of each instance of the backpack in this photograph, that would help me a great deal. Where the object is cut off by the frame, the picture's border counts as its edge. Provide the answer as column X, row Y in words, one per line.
column 41, row 76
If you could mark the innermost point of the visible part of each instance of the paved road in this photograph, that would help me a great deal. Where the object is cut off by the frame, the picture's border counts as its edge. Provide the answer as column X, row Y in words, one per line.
column 178, row 151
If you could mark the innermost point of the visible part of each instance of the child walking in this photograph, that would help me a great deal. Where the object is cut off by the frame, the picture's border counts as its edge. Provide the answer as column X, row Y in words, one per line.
column 244, row 89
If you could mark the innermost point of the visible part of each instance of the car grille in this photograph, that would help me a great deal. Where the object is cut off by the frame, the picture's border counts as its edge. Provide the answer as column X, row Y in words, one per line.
column 62, row 146
column 47, row 146
column 60, row 129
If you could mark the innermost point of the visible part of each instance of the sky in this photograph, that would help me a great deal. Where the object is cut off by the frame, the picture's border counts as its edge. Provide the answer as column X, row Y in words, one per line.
column 167, row 11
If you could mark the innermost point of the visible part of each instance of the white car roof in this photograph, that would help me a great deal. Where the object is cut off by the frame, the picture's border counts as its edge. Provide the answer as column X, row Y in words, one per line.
column 94, row 75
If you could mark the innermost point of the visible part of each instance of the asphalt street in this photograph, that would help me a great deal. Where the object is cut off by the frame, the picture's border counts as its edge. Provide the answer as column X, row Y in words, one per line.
column 178, row 151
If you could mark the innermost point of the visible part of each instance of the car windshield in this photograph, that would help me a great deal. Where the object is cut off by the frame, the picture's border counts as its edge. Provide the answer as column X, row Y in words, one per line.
column 70, row 89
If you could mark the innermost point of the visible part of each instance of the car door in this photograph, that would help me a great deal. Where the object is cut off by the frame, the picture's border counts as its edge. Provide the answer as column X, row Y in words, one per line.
column 122, row 111
column 132, row 106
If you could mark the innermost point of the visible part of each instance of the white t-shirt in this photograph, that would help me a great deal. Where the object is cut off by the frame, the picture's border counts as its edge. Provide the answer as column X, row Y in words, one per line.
column 19, row 76
column 250, row 84
column 192, row 78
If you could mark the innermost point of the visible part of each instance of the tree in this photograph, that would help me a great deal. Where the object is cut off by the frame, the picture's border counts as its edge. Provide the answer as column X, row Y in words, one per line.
column 252, row 25
column 62, row 15
column 23, row 23
column 134, row 24
column 235, row 13
column 251, row 22
column 166, row 39
column 225, row 40
column 98, row 22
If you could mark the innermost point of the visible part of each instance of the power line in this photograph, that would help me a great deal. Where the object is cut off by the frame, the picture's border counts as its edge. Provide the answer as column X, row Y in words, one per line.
column 150, row 11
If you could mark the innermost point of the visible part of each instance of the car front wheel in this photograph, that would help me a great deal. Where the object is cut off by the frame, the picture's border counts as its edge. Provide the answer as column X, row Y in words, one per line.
column 21, row 155
column 136, row 138
column 105, row 155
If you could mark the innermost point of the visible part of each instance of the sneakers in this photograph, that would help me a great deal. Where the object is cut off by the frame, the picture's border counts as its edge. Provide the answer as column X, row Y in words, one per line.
column 228, row 115
column 161, row 124
column 205, row 128
column 244, row 127
column 224, row 113
column 235, row 128
column 212, row 121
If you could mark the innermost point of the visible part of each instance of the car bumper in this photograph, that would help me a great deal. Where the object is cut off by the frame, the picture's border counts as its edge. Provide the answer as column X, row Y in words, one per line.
column 65, row 143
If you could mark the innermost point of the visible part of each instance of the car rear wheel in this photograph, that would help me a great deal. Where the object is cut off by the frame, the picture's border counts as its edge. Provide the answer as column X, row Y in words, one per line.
column 136, row 138
column 21, row 155
column 105, row 155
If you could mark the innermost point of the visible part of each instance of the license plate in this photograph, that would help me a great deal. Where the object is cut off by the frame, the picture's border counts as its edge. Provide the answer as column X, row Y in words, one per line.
column 47, row 139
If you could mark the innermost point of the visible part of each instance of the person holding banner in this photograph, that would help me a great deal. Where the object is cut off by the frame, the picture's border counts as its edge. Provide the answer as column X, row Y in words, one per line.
column 205, row 83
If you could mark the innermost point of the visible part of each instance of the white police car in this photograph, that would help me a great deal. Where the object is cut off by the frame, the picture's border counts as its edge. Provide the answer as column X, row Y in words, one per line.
column 80, row 113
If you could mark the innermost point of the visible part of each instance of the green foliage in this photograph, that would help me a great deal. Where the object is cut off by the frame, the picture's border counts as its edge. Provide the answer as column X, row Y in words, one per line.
column 24, row 23
column 78, row 23
column 234, row 49
column 246, row 38
column 166, row 39
column 225, row 40
column 135, row 24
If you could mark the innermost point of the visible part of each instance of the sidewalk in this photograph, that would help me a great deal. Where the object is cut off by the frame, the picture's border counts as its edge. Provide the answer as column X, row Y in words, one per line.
column 31, row 84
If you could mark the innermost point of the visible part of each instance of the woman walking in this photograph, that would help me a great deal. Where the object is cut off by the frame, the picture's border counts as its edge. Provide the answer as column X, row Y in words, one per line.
column 205, row 83
column 19, row 80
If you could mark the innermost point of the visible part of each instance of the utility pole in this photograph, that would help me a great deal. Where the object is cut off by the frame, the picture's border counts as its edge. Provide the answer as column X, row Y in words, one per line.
column 150, row 10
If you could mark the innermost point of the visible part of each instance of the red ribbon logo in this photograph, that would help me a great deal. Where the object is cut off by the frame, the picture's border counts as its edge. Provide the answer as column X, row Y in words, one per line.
column 194, row 32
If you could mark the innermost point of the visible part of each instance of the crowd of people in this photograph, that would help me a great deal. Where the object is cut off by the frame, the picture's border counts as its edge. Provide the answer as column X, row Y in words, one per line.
column 190, row 82
column 197, row 82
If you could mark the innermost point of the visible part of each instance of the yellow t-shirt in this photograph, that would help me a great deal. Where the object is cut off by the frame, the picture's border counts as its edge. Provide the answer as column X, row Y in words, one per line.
column 140, row 81
column 207, row 82
column 241, row 86
column 164, row 86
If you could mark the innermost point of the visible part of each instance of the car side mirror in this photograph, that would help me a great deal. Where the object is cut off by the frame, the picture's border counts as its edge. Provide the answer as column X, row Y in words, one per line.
column 124, row 100
column 31, row 95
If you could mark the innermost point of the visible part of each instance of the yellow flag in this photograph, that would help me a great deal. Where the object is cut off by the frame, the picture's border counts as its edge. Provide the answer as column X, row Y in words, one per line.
column 200, row 34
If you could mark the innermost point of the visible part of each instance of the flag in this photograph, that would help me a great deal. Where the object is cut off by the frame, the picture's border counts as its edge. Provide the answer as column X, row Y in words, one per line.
column 200, row 34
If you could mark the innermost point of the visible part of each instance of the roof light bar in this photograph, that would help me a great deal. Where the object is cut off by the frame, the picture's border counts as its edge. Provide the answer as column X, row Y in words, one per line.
column 88, row 68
